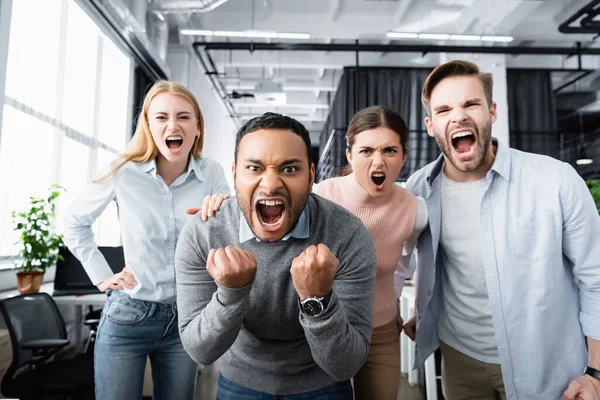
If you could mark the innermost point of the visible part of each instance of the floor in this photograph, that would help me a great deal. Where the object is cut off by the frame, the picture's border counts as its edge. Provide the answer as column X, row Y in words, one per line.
column 206, row 386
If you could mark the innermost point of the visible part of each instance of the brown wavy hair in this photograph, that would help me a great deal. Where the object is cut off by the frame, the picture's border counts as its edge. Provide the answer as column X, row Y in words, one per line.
column 456, row 68
column 371, row 118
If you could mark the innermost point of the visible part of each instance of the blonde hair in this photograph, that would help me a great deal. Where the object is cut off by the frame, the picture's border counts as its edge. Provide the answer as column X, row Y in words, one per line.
column 142, row 147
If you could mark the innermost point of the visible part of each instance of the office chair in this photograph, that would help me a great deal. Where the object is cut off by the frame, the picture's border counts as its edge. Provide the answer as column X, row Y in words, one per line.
column 37, row 332
column 91, row 320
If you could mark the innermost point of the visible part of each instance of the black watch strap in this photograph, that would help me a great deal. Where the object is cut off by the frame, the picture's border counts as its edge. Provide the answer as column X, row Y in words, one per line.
column 326, row 299
column 593, row 372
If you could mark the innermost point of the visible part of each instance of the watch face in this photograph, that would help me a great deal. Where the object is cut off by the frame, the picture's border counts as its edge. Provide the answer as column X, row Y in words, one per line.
column 312, row 307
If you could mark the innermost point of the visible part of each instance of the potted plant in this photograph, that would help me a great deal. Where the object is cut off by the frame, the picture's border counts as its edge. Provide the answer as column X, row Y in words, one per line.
column 594, row 186
column 38, row 242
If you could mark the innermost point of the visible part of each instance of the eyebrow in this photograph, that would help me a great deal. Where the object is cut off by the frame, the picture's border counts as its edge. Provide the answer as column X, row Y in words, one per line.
column 393, row 146
column 471, row 100
column 283, row 164
column 179, row 113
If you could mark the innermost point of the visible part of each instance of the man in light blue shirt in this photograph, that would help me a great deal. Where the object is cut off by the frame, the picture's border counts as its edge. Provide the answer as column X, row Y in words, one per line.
column 509, row 268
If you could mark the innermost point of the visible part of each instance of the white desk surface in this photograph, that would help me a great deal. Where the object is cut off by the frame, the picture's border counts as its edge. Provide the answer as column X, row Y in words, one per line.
column 84, row 299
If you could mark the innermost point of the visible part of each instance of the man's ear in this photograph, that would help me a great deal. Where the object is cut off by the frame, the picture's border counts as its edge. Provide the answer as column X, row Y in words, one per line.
column 312, row 175
column 429, row 125
column 493, row 112
column 233, row 170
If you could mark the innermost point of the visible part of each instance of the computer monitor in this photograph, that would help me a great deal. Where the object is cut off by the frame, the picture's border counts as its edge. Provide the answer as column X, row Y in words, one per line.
column 71, row 277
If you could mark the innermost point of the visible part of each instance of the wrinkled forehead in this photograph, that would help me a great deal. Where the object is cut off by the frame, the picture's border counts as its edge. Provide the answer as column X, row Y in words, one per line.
column 378, row 137
column 456, row 89
column 272, row 146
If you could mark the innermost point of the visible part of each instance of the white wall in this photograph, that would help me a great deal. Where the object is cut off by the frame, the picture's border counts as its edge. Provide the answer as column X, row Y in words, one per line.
column 220, row 129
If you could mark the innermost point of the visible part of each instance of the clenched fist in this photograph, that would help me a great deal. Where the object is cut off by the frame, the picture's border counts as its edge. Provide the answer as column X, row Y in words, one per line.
column 313, row 271
column 231, row 267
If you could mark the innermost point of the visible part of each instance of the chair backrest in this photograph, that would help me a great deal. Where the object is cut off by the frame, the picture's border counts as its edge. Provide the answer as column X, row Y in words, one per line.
column 71, row 278
column 30, row 317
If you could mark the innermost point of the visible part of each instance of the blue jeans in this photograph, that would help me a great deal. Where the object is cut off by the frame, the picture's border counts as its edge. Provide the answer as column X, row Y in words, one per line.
column 229, row 390
column 129, row 331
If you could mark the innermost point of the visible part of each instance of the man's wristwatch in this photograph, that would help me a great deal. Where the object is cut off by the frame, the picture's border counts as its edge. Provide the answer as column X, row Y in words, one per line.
column 314, row 306
column 593, row 372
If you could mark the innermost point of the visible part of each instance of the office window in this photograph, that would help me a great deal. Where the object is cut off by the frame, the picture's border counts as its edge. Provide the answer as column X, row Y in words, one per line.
column 66, row 110
column 25, row 154
column 74, row 172
column 112, row 128
column 33, row 54
column 81, row 61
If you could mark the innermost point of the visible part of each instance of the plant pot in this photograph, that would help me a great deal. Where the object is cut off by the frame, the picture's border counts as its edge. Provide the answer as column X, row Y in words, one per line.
column 29, row 282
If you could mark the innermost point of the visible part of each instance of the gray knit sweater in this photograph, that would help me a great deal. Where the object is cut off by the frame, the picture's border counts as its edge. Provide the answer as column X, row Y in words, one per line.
column 266, row 344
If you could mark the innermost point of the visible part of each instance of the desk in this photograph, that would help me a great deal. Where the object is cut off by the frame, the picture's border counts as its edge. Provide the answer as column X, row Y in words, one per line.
column 79, row 301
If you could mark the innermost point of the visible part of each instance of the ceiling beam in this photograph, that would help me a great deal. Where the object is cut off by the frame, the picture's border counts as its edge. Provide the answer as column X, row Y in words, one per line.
column 424, row 48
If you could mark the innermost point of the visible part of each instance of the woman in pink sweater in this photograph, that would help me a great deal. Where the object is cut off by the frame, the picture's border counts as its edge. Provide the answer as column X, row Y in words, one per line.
column 376, row 143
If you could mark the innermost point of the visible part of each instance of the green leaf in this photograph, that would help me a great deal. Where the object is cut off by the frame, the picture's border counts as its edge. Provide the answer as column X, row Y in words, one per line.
column 38, row 242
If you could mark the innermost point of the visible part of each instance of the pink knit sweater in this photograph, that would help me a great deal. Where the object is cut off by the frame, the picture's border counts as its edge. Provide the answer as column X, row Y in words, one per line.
column 390, row 220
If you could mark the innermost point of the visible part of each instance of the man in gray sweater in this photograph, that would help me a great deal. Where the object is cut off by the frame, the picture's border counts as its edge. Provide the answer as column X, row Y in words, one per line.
column 279, row 283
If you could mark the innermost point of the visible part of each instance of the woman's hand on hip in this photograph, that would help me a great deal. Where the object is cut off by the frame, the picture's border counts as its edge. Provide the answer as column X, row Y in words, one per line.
column 123, row 280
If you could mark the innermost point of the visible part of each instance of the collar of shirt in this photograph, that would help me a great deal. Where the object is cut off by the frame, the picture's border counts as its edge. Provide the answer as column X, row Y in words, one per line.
column 193, row 165
column 300, row 231
column 501, row 163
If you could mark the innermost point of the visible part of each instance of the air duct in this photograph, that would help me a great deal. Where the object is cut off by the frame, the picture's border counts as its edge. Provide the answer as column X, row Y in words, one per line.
column 157, row 30
column 197, row 6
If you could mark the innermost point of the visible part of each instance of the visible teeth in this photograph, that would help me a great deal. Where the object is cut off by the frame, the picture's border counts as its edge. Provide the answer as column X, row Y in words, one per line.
column 461, row 134
column 270, row 202
column 174, row 138
column 378, row 175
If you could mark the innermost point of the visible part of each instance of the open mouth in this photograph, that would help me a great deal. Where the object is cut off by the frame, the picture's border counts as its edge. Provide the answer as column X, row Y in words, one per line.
column 270, row 213
column 378, row 178
column 174, row 142
column 463, row 142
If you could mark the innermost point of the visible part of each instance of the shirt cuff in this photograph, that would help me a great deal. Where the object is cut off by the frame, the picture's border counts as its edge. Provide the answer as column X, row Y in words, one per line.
column 590, row 325
column 98, row 270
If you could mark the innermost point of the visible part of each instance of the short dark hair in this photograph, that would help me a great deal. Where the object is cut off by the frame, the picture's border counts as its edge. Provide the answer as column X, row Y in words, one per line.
column 270, row 120
column 456, row 68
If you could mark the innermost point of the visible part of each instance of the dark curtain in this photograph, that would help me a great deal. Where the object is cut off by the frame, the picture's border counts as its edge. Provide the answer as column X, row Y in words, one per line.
column 532, row 112
column 141, row 84
column 397, row 88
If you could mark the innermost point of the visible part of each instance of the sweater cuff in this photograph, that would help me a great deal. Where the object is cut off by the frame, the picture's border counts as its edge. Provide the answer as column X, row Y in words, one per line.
column 232, row 296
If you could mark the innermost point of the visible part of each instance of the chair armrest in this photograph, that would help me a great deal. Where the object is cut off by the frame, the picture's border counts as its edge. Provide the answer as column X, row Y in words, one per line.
column 44, row 344
column 91, row 322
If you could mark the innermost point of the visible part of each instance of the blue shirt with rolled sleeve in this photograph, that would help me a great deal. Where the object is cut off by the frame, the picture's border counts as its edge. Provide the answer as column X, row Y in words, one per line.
column 151, row 215
column 540, row 235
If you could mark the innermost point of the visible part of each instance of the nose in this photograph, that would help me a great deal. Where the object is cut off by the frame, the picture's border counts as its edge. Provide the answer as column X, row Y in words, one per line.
column 271, row 181
column 458, row 115
column 171, row 124
column 378, row 159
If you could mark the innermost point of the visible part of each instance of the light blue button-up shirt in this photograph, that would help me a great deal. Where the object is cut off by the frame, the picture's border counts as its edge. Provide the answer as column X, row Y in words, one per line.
column 539, row 231
column 300, row 231
column 151, row 215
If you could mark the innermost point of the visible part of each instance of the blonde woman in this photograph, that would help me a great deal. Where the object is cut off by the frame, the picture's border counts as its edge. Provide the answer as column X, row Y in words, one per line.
column 160, row 176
